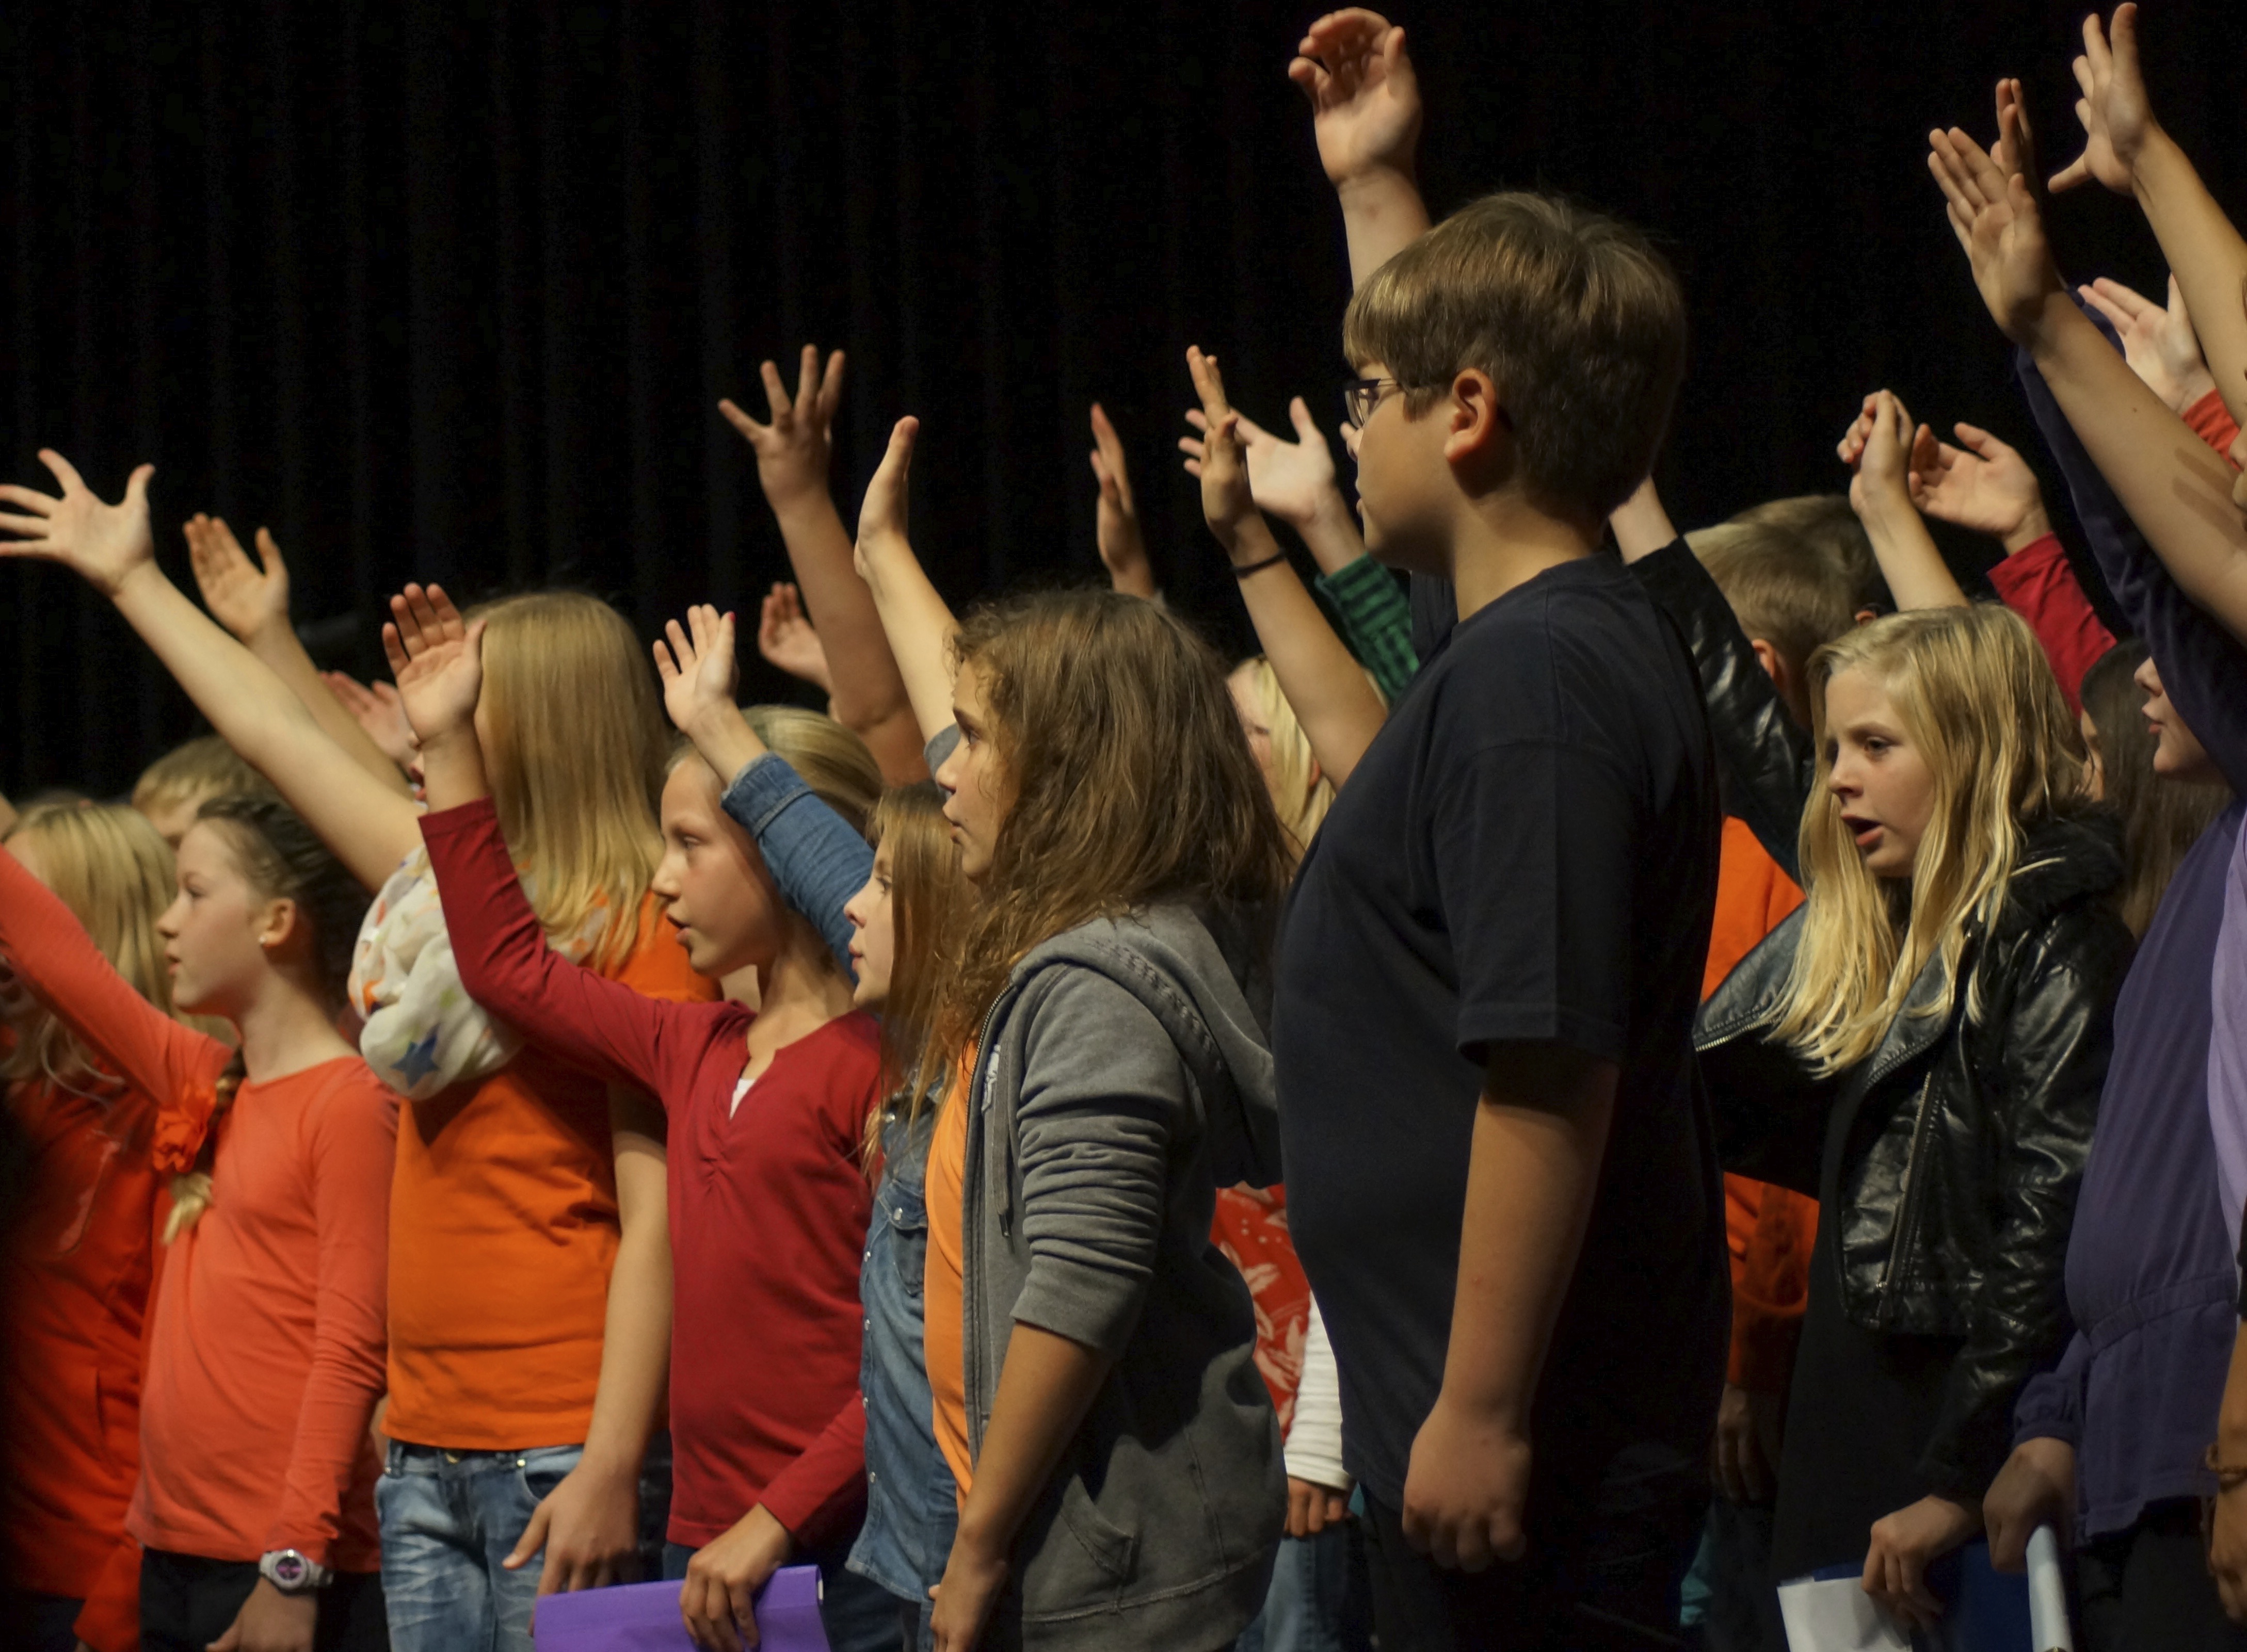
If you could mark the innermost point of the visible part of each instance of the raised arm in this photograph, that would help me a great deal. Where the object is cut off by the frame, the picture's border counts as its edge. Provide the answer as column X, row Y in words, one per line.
column 919, row 625
column 255, row 607
column 1341, row 711
column 1123, row 548
column 1365, row 113
column 787, row 639
column 2125, row 149
column 2179, row 493
column 1878, row 446
column 370, row 826
column 816, row 859
column 794, row 451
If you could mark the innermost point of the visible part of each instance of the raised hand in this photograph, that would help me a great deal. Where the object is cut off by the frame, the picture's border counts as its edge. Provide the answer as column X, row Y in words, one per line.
column 1123, row 548
column 786, row 639
column 1365, row 99
column 2015, row 150
column 375, row 707
column 1227, row 503
column 882, row 512
column 438, row 661
column 1996, row 220
column 793, row 447
column 2158, row 342
column 1877, row 446
column 102, row 544
column 2117, row 116
column 698, row 672
column 240, row 598
column 1981, row 484
column 1294, row 481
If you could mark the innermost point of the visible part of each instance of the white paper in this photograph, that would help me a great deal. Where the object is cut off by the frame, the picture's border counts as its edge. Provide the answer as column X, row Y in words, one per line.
column 2048, row 1625
column 1837, row 1616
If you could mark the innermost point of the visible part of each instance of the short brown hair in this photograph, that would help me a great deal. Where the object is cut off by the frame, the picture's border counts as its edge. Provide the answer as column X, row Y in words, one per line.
column 1782, row 591
column 206, row 766
column 1576, row 317
column 1827, row 524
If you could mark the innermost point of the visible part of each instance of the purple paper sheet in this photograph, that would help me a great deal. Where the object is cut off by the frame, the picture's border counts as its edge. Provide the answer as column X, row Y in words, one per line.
column 644, row 1617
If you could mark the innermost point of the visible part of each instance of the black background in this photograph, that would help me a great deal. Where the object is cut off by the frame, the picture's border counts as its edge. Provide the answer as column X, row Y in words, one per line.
column 450, row 290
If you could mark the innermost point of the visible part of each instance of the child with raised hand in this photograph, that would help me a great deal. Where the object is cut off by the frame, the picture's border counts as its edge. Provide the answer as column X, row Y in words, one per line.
column 794, row 449
column 1089, row 1348
column 76, row 1267
column 521, row 1390
column 1531, row 838
column 767, row 1111
column 265, row 1356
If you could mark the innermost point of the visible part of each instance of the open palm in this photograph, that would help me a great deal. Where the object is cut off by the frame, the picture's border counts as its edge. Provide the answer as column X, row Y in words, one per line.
column 1996, row 221
column 100, row 541
column 1365, row 99
column 882, row 512
column 698, row 668
column 240, row 598
column 1984, row 486
column 436, row 659
column 2117, row 116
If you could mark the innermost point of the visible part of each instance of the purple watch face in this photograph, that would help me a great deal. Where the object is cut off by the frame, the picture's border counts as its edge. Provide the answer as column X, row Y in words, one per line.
column 289, row 1569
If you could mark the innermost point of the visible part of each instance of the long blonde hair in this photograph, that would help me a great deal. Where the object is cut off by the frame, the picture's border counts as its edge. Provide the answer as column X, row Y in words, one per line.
column 1302, row 792
column 575, row 749
column 1977, row 698
column 1131, row 780
column 114, row 872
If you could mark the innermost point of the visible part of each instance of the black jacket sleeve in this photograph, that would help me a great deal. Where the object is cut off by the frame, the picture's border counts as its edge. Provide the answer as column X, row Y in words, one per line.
column 1766, row 758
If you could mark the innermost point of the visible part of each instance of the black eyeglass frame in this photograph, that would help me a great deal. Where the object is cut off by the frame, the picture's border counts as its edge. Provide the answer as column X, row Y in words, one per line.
column 1361, row 396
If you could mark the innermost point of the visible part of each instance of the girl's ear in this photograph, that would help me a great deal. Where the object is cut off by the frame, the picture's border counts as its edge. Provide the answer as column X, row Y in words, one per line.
column 278, row 924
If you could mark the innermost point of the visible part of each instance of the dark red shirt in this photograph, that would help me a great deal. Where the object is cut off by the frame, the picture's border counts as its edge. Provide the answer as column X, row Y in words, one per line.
column 769, row 1200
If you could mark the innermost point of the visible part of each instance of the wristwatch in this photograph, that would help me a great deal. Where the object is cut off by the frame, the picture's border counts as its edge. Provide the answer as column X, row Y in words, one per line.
column 290, row 1573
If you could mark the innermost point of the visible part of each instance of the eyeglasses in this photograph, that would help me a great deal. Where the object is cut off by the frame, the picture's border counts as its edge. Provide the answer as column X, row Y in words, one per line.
column 1361, row 396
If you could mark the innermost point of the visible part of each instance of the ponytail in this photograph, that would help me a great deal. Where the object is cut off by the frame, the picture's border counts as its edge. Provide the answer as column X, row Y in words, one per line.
column 191, row 1189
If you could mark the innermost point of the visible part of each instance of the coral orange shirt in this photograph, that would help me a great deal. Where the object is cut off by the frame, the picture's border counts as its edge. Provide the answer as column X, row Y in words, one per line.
column 1770, row 1229
column 502, row 1231
column 265, row 1354
column 943, row 1281
column 75, row 1275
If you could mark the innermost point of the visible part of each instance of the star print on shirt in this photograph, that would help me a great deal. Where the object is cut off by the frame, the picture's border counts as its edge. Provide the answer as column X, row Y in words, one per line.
column 419, row 1060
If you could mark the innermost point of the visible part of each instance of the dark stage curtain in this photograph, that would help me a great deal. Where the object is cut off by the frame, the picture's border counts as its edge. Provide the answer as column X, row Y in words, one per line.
column 450, row 290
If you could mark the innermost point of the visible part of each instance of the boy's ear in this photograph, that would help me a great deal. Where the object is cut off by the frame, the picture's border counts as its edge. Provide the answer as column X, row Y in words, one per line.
column 1478, row 429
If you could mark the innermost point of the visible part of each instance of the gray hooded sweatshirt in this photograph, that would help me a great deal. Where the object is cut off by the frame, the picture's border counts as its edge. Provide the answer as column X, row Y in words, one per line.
column 1121, row 1079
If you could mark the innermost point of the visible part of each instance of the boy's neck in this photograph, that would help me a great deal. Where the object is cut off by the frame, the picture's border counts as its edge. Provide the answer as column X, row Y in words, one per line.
column 1501, row 541
column 800, row 993
column 285, row 1030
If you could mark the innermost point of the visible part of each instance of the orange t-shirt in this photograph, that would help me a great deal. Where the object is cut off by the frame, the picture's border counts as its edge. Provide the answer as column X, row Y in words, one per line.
column 1770, row 1229
column 943, row 1281
column 502, row 1231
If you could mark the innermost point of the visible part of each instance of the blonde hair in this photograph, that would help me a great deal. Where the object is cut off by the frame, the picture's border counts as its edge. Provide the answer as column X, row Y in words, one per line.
column 1977, row 696
column 1131, row 782
column 115, row 872
column 1577, row 319
column 929, row 899
column 575, row 749
column 1782, row 590
column 1301, row 793
column 1827, row 524
column 206, row 766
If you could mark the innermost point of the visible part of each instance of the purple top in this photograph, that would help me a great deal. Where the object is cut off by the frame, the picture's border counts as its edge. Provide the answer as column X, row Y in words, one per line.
column 2149, row 1275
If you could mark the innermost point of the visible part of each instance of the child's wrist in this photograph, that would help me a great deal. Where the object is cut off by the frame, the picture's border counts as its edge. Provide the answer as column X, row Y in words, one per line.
column 2034, row 525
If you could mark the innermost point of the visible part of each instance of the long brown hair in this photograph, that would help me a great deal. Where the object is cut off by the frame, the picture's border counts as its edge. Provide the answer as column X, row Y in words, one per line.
column 1977, row 695
column 576, row 747
column 2162, row 817
column 1130, row 781
column 114, row 872
column 929, row 900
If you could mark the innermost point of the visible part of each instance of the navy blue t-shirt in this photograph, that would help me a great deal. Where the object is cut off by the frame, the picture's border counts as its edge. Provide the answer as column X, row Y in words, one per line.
column 1526, row 852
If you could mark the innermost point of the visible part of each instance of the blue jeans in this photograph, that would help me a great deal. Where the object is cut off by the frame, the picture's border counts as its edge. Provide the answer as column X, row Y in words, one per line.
column 1303, row 1611
column 858, row 1616
column 449, row 1520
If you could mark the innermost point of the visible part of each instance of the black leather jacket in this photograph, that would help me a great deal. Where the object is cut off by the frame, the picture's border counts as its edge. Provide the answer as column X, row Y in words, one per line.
column 1948, row 1161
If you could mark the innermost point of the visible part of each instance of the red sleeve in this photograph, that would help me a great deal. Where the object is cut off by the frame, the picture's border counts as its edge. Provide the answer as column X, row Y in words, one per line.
column 816, row 1496
column 2037, row 584
column 56, row 958
column 603, row 1026
column 354, row 1136
column 110, row 1620
column 2212, row 422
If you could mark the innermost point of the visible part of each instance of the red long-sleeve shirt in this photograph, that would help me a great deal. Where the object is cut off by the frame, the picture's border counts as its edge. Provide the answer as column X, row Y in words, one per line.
column 2037, row 584
column 769, row 1200
column 265, row 1355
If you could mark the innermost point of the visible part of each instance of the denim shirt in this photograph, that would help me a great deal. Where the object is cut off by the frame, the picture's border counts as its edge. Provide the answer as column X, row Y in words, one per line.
column 912, row 1500
column 814, row 856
